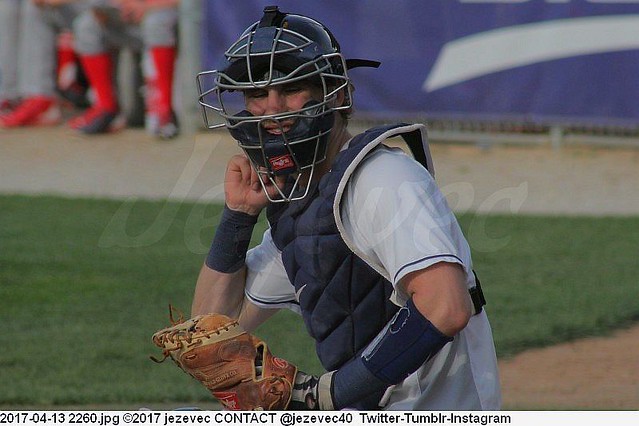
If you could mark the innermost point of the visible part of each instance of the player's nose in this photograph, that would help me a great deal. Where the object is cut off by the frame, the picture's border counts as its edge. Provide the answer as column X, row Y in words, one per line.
column 275, row 102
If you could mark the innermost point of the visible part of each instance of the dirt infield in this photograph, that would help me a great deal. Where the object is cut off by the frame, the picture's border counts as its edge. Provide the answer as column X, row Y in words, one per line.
column 598, row 373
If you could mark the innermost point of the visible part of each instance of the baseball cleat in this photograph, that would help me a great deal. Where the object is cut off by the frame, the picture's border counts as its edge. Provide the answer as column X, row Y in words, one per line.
column 7, row 106
column 33, row 111
column 98, row 120
column 168, row 127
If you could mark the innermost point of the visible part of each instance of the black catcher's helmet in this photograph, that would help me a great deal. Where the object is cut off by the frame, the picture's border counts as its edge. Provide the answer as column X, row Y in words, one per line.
column 280, row 48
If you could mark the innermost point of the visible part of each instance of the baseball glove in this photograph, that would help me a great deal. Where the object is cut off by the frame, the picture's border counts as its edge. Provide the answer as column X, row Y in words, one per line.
column 236, row 367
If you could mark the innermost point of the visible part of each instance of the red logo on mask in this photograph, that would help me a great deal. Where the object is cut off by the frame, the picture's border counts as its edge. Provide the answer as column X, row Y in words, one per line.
column 281, row 162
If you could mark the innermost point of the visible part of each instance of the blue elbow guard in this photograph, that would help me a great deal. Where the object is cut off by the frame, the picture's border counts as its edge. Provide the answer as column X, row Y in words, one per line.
column 407, row 342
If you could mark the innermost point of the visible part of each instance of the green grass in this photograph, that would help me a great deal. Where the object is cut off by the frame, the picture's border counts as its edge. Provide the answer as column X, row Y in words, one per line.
column 552, row 279
column 85, row 283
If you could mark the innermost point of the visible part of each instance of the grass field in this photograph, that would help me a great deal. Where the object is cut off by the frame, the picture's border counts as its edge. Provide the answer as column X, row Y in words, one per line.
column 85, row 283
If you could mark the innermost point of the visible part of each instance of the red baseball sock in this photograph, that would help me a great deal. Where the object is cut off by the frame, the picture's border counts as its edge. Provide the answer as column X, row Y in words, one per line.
column 164, row 61
column 67, row 70
column 99, row 71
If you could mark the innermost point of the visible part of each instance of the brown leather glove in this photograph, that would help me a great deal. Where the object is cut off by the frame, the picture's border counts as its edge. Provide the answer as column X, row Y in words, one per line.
column 236, row 367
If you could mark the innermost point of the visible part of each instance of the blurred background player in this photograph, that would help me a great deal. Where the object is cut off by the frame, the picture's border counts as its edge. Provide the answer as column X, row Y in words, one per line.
column 9, row 36
column 141, row 25
column 30, row 31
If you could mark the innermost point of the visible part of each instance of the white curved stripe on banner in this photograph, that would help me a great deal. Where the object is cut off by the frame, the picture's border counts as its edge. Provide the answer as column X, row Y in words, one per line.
column 505, row 48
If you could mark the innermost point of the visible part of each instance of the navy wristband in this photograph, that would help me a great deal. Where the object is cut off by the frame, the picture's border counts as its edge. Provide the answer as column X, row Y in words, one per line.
column 231, row 242
column 354, row 383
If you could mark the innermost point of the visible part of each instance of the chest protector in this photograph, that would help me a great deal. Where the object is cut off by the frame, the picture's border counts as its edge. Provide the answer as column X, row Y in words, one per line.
column 344, row 301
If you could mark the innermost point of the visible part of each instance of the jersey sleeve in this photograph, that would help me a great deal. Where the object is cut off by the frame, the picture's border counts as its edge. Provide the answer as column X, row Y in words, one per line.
column 267, row 284
column 396, row 218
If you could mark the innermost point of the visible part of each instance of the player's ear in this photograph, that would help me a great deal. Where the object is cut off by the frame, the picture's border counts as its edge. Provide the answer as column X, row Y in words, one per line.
column 341, row 98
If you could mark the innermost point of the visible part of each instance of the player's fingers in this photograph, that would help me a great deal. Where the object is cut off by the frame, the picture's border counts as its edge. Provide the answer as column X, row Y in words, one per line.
column 255, row 179
column 274, row 186
column 238, row 169
column 247, row 174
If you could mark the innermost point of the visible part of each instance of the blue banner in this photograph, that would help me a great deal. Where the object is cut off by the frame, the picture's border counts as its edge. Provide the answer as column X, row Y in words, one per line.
column 539, row 61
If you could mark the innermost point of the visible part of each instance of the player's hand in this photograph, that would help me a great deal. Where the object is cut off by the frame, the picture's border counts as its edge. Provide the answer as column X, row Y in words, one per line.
column 242, row 188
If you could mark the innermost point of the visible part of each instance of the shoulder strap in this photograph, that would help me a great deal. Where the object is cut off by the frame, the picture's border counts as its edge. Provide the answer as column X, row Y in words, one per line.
column 416, row 145
column 416, row 138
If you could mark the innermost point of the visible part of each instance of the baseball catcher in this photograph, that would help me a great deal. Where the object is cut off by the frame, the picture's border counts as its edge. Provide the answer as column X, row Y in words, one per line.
column 236, row 367
column 361, row 243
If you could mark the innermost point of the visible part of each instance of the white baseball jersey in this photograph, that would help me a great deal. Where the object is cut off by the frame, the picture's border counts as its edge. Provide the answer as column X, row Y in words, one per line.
column 394, row 217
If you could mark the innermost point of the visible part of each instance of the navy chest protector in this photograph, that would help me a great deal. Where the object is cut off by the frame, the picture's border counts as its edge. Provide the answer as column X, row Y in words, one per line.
column 344, row 302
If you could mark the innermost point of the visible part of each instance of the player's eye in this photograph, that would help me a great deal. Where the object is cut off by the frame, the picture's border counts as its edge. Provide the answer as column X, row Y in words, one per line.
column 292, row 89
column 255, row 94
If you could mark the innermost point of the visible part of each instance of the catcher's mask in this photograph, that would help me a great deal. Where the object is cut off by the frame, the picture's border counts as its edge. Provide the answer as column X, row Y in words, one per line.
column 279, row 49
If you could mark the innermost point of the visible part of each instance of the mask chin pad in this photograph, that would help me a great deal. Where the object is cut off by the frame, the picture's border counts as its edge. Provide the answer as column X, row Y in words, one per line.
column 279, row 159
column 263, row 149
